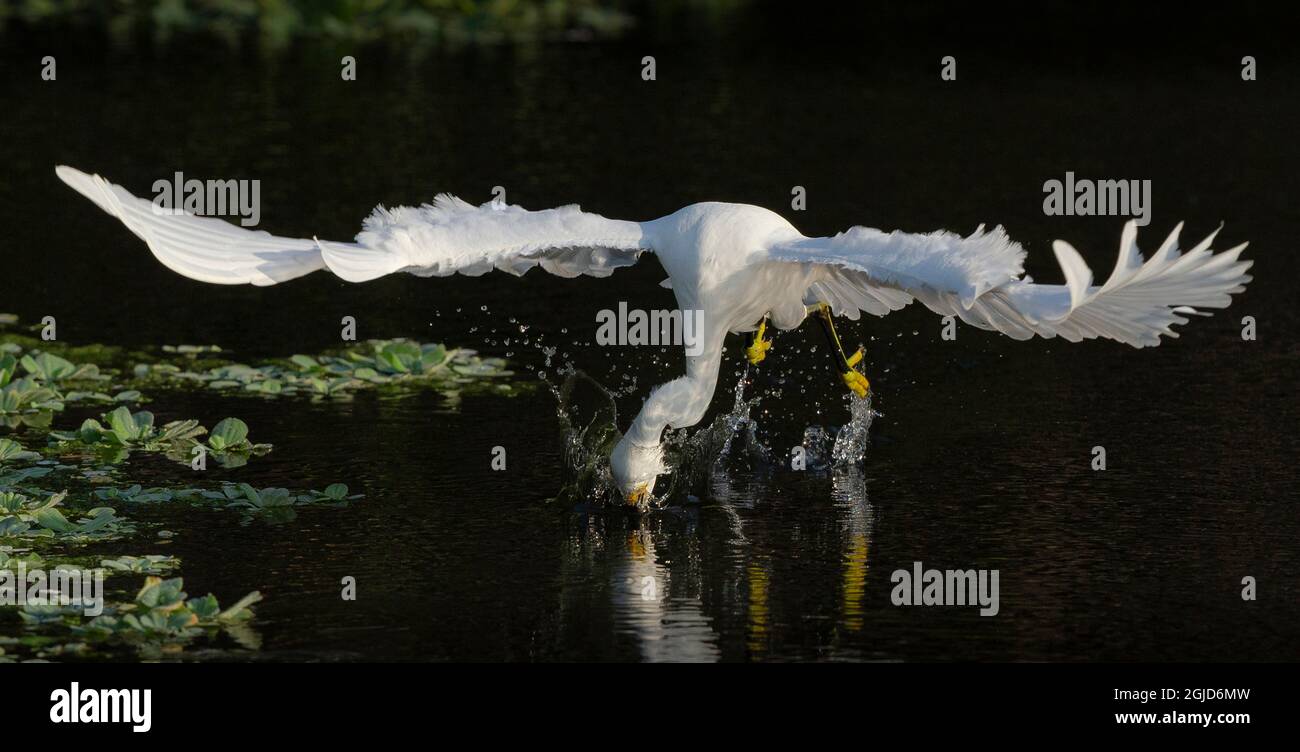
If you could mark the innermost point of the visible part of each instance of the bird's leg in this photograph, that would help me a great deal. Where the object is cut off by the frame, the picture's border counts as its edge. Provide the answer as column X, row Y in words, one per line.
column 853, row 379
column 758, row 345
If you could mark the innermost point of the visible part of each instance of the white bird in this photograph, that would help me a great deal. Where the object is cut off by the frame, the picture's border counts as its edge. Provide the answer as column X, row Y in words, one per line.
column 741, row 265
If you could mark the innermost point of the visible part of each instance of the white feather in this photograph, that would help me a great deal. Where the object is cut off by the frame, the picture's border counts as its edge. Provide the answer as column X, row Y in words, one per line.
column 202, row 248
column 442, row 238
column 1137, row 304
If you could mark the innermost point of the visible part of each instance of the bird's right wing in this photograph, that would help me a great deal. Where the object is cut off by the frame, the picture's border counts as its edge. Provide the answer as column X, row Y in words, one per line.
column 446, row 237
column 453, row 236
column 978, row 279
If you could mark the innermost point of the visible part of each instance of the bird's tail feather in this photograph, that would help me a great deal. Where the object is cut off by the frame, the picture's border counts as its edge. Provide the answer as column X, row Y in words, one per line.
column 1138, row 304
column 202, row 248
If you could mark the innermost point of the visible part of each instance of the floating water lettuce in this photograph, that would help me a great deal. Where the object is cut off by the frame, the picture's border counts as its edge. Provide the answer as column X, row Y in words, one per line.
column 136, row 494
column 163, row 609
column 270, row 504
column 228, row 441
column 154, row 564
column 51, row 368
column 335, row 493
column 231, row 436
column 126, row 395
column 371, row 364
column 39, row 380
column 25, row 517
column 11, row 558
column 11, row 451
column 276, row 504
column 26, row 395
column 12, row 478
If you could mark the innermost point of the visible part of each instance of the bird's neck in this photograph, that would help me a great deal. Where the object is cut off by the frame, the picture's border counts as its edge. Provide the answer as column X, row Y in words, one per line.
column 645, row 432
column 683, row 401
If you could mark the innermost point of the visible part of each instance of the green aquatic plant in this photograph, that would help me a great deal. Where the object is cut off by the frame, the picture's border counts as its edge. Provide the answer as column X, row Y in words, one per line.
column 12, row 478
column 334, row 493
column 136, row 494
column 126, row 395
column 11, row 558
column 228, row 441
column 26, row 395
column 161, row 609
column 124, row 427
column 40, row 379
column 231, row 435
column 376, row 363
column 24, row 517
column 51, row 368
column 264, row 499
column 12, row 451
column 155, row 564
column 272, row 504
column 191, row 351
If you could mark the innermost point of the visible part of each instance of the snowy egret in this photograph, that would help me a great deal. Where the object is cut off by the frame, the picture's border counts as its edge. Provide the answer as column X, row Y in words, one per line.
column 743, row 266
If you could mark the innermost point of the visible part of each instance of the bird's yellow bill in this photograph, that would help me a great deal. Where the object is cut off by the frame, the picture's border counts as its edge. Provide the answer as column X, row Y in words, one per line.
column 639, row 495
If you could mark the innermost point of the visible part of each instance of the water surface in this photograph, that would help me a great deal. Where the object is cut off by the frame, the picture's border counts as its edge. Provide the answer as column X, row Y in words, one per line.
column 980, row 459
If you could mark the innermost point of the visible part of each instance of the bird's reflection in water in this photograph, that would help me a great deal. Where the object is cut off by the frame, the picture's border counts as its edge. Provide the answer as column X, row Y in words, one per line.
column 849, row 490
column 668, row 622
column 704, row 582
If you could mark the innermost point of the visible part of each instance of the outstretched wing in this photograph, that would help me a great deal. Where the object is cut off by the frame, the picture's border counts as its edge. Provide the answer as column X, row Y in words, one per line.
column 452, row 236
column 444, row 238
column 978, row 279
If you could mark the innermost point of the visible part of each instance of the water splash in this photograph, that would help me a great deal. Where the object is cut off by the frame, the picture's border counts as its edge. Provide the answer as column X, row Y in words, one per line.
column 851, row 441
column 587, row 443
column 729, row 444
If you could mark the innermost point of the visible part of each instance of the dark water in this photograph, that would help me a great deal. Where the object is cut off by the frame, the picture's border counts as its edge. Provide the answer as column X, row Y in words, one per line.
column 981, row 458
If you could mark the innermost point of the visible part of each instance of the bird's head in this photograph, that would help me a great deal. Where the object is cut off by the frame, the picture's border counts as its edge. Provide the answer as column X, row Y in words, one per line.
column 635, row 469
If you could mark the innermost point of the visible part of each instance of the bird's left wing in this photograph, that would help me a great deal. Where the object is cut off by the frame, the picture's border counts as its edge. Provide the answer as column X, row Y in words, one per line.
column 978, row 279
column 442, row 238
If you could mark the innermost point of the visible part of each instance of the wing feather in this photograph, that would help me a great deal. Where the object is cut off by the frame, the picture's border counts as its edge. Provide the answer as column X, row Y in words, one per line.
column 978, row 279
column 452, row 236
column 446, row 237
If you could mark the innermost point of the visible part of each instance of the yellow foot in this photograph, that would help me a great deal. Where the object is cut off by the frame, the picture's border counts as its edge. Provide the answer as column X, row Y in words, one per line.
column 855, row 381
column 758, row 348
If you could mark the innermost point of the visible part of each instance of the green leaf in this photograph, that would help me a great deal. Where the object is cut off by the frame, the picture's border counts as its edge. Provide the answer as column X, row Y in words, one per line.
column 52, row 519
column 47, row 367
column 12, row 450
column 228, row 433
column 240, row 609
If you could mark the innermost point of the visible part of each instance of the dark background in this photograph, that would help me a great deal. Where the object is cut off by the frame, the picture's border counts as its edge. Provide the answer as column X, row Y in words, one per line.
column 981, row 458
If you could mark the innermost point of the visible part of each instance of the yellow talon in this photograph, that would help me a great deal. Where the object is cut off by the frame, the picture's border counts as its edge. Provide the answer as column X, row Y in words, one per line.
column 856, row 382
column 853, row 379
column 757, row 349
